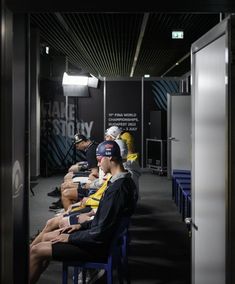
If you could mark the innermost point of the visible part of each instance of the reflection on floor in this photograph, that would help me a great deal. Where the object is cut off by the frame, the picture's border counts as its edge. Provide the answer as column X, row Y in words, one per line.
column 160, row 246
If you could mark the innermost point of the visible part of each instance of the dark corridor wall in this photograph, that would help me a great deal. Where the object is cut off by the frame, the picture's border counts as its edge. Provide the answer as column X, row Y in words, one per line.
column 123, row 107
column 61, row 120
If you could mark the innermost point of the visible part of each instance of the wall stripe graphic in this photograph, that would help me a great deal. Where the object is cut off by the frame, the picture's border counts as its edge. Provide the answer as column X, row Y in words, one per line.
column 55, row 145
column 160, row 88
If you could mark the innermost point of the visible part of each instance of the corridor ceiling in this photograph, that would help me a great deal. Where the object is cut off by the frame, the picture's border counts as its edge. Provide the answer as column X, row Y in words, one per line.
column 114, row 45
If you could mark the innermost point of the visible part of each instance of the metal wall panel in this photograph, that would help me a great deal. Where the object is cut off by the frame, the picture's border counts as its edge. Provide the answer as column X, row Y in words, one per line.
column 6, row 235
column 20, row 151
column 34, row 105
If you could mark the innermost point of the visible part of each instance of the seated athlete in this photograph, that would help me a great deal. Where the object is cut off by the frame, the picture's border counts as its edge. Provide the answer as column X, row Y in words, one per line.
column 89, row 148
column 114, row 132
column 71, row 192
column 74, row 214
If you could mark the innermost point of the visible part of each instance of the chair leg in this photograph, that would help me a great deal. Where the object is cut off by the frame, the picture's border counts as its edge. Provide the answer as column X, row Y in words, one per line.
column 127, row 275
column 173, row 189
column 65, row 274
column 109, row 276
column 120, row 270
column 125, row 259
column 109, row 271
column 84, row 271
column 125, row 270
column 75, row 274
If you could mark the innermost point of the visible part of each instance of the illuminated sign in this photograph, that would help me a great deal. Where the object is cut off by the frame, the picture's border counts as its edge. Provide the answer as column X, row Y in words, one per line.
column 177, row 35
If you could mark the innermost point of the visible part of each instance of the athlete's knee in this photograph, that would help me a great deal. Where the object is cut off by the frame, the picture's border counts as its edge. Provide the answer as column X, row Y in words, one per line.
column 67, row 193
column 35, row 251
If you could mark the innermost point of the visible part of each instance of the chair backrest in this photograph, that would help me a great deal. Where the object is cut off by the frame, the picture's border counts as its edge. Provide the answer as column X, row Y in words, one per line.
column 121, row 231
column 117, row 255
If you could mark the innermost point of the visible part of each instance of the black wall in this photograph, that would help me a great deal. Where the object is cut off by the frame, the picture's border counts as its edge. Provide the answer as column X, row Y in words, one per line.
column 61, row 118
column 123, row 107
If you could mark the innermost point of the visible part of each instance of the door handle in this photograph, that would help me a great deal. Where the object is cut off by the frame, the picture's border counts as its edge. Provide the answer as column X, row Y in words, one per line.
column 189, row 222
column 173, row 139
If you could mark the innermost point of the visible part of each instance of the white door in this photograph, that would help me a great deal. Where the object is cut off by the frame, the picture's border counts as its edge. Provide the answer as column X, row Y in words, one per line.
column 179, row 132
column 209, row 160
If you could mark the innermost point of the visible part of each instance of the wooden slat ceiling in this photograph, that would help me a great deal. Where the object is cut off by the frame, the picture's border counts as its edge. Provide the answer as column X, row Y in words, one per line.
column 114, row 44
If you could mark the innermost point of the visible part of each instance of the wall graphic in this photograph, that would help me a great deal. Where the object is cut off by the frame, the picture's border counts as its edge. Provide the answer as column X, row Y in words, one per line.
column 62, row 126
column 59, row 123
column 160, row 88
column 155, row 98
column 123, row 107
column 125, row 120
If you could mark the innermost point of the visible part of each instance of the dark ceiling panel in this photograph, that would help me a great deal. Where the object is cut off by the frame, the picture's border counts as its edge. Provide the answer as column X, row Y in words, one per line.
column 182, row 6
column 159, row 51
column 106, row 40
column 108, row 44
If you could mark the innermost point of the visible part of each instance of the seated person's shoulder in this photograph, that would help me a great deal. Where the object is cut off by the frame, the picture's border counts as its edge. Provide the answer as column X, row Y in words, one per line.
column 133, row 157
column 122, row 180
column 126, row 134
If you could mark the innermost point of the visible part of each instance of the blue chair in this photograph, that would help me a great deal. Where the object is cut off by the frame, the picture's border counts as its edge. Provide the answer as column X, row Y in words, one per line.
column 188, row 206
column 117, row 257
column 176, row 171
column 185, row 192
column 178, row 183
column 182, row 188
column 179, row 174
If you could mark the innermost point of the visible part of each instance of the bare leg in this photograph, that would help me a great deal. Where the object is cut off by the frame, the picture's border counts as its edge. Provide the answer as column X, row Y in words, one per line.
column 51, row 225
column 68, row 197
column 68, row 184
column 40, row 256
column 50, row 236
column 68, row 176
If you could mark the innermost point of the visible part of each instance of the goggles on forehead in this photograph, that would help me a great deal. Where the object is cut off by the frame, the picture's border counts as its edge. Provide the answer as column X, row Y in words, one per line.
column 99, row 158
